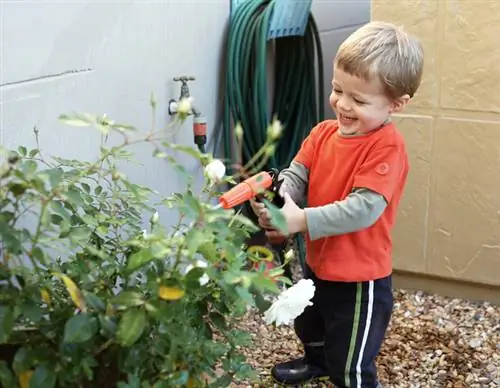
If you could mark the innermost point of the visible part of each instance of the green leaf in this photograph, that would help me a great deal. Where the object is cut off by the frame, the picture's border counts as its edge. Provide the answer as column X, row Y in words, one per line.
column 80, row 234
column 218, row 320
column 131, row 326
column 138, row 259
column 209, row 251
column 93, row 301
column 261, row 303
column 223, row 381
column 75, row 120
column 192, row 201
column 128, row 299
column 6, row 322
column 17, row 189
column 22, row 360
column 187, row 150
column 31, row 311
column 85, row 187
column 194, row 239
column 277, row 218
column 58, row 208
column 245, row 222
column 108, row 326
column 124, row 127
column 75, row 197
column 43, row 377
column 80, row 328
column 239, row 337
column 55, row 176
column 22, row 150
column 29, row 167
column 244, row 295
column 193, row 276
column 159, row 154
column 6, row 216
column 7, row 379
column 265, row 283
column 38, row 254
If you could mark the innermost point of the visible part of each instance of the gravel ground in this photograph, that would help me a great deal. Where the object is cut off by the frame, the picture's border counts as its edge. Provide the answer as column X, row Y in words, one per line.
column 432, row 342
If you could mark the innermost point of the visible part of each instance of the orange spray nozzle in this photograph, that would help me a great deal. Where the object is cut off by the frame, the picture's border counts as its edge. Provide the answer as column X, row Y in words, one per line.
column 246, row 190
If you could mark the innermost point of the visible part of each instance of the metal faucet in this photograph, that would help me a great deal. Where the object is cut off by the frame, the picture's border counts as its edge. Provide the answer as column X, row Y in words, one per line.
column 199, row 121
column 172, row 104
column 184, row 86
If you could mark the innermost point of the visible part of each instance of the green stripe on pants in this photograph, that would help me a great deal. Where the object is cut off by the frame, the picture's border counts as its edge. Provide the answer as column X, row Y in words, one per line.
column 354, row 334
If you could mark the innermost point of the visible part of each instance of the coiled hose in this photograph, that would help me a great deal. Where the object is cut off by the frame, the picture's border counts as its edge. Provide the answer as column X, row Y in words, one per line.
column 297, row 90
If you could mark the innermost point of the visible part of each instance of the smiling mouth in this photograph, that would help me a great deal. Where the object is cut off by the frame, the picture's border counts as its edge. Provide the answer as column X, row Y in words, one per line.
column 347, row 118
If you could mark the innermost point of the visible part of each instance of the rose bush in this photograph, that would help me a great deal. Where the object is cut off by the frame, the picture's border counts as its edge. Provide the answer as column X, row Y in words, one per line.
column 88, row 297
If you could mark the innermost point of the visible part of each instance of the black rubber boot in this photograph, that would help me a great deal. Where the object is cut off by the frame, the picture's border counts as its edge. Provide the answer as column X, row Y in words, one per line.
column 296, row 372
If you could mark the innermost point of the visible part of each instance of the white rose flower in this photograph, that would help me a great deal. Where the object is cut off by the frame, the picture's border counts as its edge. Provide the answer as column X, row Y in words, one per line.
column 215, row 170
column 201, row 264
column 291, row 303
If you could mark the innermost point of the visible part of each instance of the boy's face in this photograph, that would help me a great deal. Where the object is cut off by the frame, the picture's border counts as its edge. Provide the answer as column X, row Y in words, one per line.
column 361, row 106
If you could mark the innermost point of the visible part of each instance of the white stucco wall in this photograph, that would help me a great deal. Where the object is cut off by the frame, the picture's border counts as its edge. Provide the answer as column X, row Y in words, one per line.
column 336, row 20
column 107, row 56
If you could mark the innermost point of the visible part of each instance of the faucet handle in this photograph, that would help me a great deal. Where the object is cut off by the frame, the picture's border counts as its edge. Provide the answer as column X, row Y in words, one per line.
column 184, row 78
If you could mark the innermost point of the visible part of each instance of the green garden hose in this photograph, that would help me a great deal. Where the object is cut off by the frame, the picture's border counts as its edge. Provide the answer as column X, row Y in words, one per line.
column 298, row 89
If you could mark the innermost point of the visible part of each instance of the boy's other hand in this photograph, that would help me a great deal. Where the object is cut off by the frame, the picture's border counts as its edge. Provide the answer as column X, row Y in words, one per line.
column 265, row 219
column 257, row 207
column 283, row 189
column 295, row 218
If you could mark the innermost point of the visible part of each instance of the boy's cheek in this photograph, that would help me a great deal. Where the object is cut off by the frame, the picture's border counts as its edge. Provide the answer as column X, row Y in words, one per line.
column 333, row 100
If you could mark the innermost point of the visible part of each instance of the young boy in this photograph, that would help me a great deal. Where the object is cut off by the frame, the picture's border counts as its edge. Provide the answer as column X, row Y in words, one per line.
column 353, row 171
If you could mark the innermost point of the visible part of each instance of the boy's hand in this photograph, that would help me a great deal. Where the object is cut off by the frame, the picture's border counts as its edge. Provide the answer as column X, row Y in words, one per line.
column 295, row 218
column 257, row 207
column 283, row 189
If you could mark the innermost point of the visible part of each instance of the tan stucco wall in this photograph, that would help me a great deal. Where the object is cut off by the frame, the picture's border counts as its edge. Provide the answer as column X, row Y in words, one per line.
column 449, row 224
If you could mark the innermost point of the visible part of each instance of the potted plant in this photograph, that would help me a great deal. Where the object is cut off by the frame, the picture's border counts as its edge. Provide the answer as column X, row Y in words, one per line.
column 90, row 298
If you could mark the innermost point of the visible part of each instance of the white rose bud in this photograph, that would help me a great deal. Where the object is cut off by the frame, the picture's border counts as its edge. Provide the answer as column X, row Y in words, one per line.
column 184, row 106
column 215, row 170
column 204, row 279
column 154, row 218
column 289, row 255
column 238, row 131
column 274, row 130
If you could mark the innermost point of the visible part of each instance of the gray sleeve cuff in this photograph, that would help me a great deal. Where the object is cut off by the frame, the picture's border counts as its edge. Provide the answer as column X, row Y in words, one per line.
column 296, row 178
column 360, row 210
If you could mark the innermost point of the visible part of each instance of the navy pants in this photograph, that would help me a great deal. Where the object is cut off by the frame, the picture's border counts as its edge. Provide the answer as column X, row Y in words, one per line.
column 342, row 332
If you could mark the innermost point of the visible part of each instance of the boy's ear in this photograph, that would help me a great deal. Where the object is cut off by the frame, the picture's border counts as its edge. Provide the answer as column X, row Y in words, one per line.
column 400, row 103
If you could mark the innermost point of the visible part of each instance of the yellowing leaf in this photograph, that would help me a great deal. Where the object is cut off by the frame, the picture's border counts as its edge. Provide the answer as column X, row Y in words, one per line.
column 74, row 291
column 46, row 297
column 109, row 311
column 6, row 258
column 260, row 253
column 191, row 383
column 24, row 378
column 170, row 293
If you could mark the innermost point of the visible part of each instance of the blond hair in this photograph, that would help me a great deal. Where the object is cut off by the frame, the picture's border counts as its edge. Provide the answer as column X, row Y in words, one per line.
column 383, row 50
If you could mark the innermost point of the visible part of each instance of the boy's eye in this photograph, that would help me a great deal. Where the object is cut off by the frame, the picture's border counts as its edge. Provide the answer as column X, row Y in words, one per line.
column 337, row 91
column 359, row 101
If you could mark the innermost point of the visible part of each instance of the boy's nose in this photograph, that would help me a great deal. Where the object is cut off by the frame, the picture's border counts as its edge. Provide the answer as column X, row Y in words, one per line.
column 343, row 104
